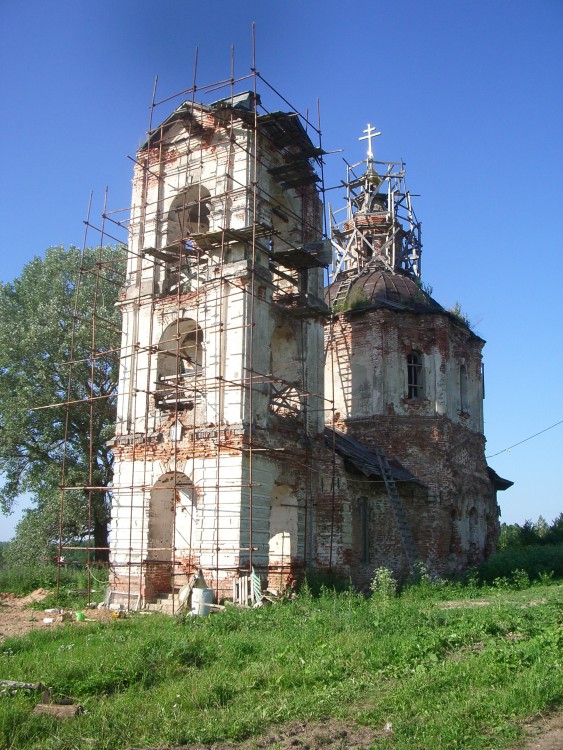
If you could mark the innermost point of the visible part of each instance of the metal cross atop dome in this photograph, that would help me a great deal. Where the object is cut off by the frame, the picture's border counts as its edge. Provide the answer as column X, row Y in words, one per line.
column 379, row 228
column 371, row 133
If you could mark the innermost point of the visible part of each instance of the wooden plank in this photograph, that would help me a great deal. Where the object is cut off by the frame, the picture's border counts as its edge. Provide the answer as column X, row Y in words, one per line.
column 58, row 711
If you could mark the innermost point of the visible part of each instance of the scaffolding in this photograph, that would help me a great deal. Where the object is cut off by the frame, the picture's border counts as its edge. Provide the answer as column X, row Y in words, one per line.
column 379, row 228
column 220, row 459
column 225, row 246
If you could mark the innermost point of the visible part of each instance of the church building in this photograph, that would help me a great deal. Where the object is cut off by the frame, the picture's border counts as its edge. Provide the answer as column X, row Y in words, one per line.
column 271, row 423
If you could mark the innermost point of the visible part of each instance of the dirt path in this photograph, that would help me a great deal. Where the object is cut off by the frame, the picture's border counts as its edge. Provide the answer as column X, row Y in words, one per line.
column 545, row 733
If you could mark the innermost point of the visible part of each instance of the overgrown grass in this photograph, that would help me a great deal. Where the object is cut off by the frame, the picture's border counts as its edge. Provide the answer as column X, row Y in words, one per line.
column 445, row 672
column 74, row 583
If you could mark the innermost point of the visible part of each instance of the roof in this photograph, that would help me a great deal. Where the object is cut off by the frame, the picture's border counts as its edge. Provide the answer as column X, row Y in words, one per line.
column 498, row 482
column 377, row 287
column 364, row 459
column 283, row 130
column 189, row 112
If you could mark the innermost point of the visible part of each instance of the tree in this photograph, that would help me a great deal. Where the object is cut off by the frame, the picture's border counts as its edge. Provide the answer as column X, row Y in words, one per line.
column 510, row 536
column 58, row 378
column 555, row 533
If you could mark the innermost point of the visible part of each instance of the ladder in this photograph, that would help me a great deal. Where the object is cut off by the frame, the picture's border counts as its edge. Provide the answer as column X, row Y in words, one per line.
column 343, row 290
column 398, row 509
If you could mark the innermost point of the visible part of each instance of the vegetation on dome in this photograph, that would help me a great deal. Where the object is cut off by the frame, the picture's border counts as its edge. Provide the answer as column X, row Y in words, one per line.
column 458, row 313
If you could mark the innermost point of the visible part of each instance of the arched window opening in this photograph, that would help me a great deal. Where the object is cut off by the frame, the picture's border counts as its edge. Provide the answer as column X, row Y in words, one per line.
column 463, row 405
column 188, row 216
column 414, row 376
column 179, row 366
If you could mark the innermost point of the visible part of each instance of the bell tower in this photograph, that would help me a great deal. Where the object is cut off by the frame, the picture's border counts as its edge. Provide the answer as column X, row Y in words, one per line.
column 222, row 350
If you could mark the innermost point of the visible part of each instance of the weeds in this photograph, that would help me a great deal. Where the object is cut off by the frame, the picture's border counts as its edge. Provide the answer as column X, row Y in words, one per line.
column 383, row 585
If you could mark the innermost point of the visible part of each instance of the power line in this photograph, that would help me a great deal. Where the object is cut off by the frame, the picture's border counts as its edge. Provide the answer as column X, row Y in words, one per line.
column 525, row 439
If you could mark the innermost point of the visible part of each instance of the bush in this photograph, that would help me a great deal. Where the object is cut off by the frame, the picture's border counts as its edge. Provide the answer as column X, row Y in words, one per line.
column 317, row 581
column 535, row 560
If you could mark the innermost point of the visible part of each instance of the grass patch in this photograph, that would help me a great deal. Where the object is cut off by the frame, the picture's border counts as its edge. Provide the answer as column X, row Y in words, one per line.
column 444, row 672
column 74, row 583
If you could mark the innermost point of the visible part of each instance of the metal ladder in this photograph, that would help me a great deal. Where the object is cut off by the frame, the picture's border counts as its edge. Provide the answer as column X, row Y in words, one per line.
column 398, row 509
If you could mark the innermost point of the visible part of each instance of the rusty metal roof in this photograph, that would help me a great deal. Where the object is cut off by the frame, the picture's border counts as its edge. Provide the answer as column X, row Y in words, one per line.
column 364, row 459
column 497, row 481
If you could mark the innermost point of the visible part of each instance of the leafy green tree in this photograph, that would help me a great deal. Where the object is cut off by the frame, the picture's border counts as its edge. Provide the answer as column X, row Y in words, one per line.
column 555, row 533
column 541, row 527
column 510, row 536
column 58, row 378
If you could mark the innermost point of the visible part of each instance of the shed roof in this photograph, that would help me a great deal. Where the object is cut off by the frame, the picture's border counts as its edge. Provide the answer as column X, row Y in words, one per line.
column 497, row 481
column 364, row 459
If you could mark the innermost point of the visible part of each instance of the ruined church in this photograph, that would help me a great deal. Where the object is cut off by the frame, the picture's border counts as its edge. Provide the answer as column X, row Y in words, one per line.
column 291, row 398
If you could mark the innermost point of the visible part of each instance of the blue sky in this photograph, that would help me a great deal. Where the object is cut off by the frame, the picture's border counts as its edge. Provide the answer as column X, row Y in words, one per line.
column 467, row 92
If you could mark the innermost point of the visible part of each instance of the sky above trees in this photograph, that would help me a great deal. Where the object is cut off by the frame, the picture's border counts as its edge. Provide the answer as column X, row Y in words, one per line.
column 468, row 93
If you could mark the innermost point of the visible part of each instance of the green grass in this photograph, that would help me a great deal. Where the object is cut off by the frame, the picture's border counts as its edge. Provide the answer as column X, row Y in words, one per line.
column 74, row 583
column 444, row 676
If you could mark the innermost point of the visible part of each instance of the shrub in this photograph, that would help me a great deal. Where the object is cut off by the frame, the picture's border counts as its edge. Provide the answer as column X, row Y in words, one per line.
column 534, row 560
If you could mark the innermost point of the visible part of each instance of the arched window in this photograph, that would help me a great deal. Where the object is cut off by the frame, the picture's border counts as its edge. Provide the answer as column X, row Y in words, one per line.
column 188, row 214
column 179, row 366
column 414, row 376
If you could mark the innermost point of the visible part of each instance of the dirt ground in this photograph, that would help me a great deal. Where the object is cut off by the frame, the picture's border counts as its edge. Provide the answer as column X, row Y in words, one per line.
column 17, row 618
column 542, row 734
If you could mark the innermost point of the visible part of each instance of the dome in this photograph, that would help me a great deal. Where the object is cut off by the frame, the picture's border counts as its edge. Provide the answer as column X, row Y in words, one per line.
column 380, row 288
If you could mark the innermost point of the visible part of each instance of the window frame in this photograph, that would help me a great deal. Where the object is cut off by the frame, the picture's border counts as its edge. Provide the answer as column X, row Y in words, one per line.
column 415, row 376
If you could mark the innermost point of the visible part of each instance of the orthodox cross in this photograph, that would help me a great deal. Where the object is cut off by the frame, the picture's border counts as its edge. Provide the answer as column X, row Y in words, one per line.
column 371, row 133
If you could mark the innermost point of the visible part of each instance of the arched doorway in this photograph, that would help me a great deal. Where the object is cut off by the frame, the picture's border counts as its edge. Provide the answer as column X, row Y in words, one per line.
column 172, row 532
column 283, row 534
